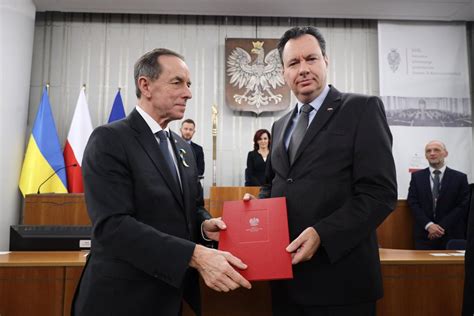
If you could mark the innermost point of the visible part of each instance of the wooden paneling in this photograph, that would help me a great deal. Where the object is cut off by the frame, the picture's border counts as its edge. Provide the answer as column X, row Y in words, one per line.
column 32, row 291
column 55, row 209
column 413, row 290
column 415, row 283
column 218, row 195
column 73, row 274
column 396, row 232
column 69, row 209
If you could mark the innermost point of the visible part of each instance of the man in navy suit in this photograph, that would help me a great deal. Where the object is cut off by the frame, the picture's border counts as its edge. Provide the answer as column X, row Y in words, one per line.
column 336, row 192
column 142, row 198
column 188, row 128
column 438, row 197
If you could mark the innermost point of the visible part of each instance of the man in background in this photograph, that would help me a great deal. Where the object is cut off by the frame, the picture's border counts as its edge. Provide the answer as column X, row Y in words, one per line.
column 438, row 197
column 188, row 128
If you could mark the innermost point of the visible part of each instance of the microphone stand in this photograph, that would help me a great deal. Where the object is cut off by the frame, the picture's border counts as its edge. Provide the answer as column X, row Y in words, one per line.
column 54, row 173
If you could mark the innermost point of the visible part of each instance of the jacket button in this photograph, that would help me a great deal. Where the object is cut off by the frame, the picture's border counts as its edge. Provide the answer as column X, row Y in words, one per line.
column 289, row 180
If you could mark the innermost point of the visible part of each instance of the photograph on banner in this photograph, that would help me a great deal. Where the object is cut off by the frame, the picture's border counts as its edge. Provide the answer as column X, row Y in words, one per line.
column 412, row 111
column 426, row 93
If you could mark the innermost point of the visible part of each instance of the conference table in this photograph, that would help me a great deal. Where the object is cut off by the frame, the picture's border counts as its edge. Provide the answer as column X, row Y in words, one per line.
column 415, row 283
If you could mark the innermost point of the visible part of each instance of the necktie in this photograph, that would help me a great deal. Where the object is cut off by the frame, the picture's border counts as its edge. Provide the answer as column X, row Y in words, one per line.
column 299, row 131
column 435, row 190
column 163, row 137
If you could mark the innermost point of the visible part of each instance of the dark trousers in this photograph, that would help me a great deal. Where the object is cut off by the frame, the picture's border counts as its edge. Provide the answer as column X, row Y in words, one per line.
column 282, row 307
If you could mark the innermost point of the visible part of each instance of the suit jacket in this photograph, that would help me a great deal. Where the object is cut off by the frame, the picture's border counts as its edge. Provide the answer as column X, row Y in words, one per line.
column 342, row 183
column 255, row 172
column 144, row 228
column 468, row 304
column 199, row 155
column 451, row 207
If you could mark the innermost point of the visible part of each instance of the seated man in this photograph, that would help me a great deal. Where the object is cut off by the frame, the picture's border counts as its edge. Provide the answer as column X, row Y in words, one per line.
column 438, row 197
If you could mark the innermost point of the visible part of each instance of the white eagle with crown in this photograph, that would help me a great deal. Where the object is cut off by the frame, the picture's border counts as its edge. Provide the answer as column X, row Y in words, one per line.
column 258, row 77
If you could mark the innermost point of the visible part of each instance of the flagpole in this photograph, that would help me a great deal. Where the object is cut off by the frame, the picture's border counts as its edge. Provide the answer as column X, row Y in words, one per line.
column 214, row 144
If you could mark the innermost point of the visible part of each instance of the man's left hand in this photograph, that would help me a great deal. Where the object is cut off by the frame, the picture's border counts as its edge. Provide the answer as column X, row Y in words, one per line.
column 304, row 246
column 212, row 227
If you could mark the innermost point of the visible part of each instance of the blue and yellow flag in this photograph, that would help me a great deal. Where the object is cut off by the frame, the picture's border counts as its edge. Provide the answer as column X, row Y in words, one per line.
column 44, row 157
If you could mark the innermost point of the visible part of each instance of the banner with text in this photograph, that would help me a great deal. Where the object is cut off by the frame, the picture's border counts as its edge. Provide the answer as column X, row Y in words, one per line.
column 424, row 84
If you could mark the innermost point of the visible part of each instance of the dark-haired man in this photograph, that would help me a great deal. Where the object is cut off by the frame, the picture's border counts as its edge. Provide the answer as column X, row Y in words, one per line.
column 332, row 160
column 188, row 128
column 142, row 198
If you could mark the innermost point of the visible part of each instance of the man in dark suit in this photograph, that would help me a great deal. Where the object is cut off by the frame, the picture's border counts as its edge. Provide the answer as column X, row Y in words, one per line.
column 332, row 160
column 438, row 197
column 141, row 197
column 188, row 128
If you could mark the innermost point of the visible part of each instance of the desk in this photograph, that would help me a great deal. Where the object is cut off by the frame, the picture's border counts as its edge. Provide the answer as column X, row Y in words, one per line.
column 415, row 283
column 39, row 283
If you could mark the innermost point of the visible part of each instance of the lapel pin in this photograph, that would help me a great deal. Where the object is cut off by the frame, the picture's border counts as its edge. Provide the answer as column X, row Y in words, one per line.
column 182, row 152
column 329, row 109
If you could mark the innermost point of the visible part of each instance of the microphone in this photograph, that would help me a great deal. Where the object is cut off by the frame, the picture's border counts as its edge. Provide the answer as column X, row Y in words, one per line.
column 55, row 172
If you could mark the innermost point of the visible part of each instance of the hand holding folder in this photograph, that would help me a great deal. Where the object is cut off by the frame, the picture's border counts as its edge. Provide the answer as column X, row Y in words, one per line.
column 257, row 233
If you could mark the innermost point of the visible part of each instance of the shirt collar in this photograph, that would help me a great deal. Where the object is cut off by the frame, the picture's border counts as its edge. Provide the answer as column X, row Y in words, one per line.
column 442, row 169
column 316, row 103
column 152, row 124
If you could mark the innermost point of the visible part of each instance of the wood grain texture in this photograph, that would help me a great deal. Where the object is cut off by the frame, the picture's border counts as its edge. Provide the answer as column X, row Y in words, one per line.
column 218, row 195
column 55, row 209
column 396, row 232
column 32, row 291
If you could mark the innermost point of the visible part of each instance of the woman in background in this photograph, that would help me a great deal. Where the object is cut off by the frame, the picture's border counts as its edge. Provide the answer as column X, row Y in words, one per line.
column 257, row 158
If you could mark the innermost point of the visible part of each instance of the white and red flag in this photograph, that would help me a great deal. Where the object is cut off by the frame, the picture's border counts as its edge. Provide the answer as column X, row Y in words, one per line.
column 79, row 132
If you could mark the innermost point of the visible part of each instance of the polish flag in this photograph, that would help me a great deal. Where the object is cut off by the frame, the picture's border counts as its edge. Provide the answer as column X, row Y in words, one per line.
column 79, row 132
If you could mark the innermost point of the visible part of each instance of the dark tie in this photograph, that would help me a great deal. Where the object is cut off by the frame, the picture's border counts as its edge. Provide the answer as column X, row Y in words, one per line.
column 299, row 131
column 435, row 190
column 163, row 137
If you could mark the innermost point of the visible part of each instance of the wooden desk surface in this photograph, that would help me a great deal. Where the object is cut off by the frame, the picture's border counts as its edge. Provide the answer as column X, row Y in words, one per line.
column 402, row 256
column 43, row 258
column 77, row 258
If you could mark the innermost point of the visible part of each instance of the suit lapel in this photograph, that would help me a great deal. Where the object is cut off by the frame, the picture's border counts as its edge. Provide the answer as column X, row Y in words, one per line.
column 151, row 147
column 325, row 112
column 445, row 182
column 175, row 139
column 281, row 154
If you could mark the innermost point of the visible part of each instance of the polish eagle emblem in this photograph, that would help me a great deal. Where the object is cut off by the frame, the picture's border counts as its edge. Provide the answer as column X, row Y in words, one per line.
column 393, row 59
column 255, row 79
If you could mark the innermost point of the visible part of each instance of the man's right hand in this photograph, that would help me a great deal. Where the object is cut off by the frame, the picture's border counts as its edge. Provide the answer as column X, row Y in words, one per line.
column 216, row 269
column 435, row 231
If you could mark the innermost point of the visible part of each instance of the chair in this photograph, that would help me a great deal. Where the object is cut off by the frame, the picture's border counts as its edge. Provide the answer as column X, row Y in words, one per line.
column 456, row 244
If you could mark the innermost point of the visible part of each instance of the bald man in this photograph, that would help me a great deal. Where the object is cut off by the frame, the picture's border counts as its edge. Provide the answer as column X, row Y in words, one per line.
column 438, row 197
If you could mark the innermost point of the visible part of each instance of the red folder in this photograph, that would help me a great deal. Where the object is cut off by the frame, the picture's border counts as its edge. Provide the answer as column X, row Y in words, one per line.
column 257, row 233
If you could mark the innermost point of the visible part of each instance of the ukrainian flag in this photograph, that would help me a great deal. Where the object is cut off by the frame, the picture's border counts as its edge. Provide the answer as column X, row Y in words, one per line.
column 43, row 156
